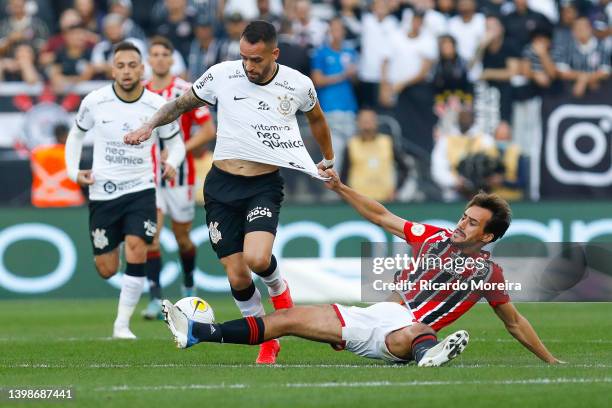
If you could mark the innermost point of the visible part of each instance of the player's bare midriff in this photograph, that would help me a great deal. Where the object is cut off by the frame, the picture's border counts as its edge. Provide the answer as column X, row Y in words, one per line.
column 246, row 168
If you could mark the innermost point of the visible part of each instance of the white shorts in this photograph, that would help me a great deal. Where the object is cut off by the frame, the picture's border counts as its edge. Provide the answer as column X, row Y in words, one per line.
column 176, row 202
column 365, row 329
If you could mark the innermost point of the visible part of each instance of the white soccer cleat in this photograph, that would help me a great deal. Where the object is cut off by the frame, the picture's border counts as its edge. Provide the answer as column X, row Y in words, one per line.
column 446, row 350
column 123, row 333
column 177, row 322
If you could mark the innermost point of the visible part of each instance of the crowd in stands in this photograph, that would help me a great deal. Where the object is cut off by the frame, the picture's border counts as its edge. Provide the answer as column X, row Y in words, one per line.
column 451, row 85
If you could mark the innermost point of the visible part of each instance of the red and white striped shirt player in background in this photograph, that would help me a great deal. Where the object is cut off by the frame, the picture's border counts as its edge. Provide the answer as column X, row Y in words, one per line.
column 485, row 219
column 176, row 197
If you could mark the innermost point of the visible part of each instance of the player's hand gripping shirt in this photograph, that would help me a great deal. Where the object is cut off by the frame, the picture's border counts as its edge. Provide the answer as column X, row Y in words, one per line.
column 444, row 263
column 257, row 122
column 119, row 168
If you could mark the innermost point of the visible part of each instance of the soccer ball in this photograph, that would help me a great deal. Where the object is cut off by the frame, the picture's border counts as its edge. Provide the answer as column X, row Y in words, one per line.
column 196, row 309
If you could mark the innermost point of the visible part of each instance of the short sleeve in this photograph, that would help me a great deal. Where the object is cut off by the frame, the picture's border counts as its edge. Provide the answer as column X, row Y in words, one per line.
column 496, row 297
column 168, row 131
column 308, row 97
column 84, row 118
column 200, row 115
column 205, row 87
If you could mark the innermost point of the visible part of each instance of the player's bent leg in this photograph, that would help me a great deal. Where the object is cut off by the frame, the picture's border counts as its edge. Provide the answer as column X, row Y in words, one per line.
column 259, row 258
column 187, row 253
column 107, row 263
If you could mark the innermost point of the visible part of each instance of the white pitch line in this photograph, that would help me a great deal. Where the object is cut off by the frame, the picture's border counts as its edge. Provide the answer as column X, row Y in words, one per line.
column 282, row 366
column 357, row 384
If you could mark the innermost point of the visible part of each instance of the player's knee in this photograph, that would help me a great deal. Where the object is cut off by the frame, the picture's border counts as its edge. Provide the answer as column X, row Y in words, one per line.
column 184, row 243
column 106, row 268
column 257, row 262
column 239, row 282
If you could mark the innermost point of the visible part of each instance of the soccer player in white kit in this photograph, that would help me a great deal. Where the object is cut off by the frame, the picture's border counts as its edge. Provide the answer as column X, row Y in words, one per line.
column 121, row 185
column 175, row 197
column 257, row 132
column 384, row 331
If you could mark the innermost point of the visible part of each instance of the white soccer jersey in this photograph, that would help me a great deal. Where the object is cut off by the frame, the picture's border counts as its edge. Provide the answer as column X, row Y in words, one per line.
column 119, row 168
column 257, row 122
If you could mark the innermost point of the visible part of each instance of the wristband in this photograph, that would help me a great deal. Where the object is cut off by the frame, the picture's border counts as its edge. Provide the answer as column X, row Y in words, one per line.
column 328, row 163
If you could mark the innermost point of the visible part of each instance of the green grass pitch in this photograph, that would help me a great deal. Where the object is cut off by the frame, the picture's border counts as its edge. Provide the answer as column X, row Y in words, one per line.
column 64, row 343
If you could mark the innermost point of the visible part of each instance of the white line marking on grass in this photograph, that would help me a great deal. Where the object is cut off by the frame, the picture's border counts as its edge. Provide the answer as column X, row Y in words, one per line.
column 357, row 384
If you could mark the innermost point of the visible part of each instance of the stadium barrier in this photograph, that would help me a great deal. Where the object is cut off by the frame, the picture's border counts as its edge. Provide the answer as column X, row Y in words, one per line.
column 47, row 252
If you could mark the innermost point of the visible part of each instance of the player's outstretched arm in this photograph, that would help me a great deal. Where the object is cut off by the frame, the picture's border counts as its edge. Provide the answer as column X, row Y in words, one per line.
column 321, row 133
column 521, row 329
column 370, row 209
column 169, row 112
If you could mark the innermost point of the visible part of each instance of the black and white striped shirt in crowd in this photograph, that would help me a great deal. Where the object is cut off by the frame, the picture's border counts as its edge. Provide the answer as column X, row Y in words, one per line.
column 590, row 57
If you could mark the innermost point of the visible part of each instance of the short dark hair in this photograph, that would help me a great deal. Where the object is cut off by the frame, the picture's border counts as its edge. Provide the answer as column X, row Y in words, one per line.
column 126, row 46
column 501, row 213
column 260, row 30
column 163, row 41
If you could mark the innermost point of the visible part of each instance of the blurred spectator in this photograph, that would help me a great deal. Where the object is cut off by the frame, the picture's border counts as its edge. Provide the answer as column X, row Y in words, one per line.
column 468, row 28
column 586, row 61
column 538, row 64
column 308, row 30
column 511, row 184
column 350, row 12
column 176, row 24
column 450, row 74
column 51, row 186
column 204, row 51
column 404, row 80
column 229, row 48
column 72, row 63
column 291, row 53
column 124, row 9
column 378, row 26
column 19, row 27
column 91, row 17
column 601, row 19
column 21, row 66
column 459, row 148
column 562, row 34
column 522, row 22
column 334, row 68
column 101, row 56
column 500, row 62
column 373, row 166
column 69, row 17
column 264, row 12
column 435, row 23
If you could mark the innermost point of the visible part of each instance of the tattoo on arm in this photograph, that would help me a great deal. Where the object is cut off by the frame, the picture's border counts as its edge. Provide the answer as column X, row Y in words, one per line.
column 171, row 110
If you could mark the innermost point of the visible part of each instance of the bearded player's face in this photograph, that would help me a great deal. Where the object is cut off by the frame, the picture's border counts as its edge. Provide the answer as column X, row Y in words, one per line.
column 258, row 60
column 470, row 229
column 127, row 69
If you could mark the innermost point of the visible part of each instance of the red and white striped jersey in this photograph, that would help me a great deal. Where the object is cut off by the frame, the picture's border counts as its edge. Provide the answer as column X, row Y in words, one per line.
column 439, row 308
column 185, row 174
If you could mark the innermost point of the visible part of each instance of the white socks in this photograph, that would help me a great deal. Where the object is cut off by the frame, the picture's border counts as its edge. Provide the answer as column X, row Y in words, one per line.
column 131, row 288
column 275, row 283
column 251, row 307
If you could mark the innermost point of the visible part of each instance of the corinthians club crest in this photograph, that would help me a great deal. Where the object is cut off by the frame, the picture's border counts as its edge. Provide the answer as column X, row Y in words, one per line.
column 284, row 106
column 100, row 240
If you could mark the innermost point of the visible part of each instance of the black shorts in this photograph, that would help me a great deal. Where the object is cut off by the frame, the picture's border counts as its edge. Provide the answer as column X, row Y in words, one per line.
column 237, row 205
column 131, row 214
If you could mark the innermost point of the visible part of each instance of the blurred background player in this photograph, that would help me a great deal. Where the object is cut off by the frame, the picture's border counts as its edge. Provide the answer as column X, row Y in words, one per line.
column 257, row 101
column 176, row 196
column 121, row 184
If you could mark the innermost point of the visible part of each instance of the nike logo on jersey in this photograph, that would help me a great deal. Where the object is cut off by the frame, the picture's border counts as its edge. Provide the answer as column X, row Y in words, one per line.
column 239, row 99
